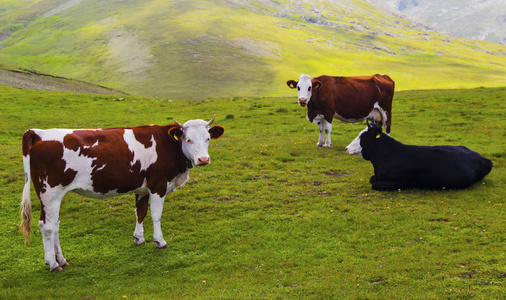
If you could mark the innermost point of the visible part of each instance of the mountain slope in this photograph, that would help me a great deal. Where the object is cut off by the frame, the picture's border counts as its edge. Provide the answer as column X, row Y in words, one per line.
column 476, row 19
column 30, row 79
column 192, row 49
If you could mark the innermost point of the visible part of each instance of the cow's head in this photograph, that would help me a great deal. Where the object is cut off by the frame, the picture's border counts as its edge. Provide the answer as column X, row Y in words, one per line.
column 305, row 87
column 194, row 136
column 365, row 141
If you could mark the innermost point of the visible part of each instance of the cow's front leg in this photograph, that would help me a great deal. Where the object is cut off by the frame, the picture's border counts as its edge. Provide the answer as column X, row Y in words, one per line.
column 141, row 210
column 328, row 129
column 156, row 215
column 321, row 127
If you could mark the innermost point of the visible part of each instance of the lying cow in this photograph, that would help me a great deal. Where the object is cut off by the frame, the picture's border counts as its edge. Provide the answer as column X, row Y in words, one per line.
column 399, row 166
column 150, row 161
column 348, row 99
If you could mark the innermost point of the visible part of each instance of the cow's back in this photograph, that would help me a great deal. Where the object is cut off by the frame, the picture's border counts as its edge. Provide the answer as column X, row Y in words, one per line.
column 436, row 167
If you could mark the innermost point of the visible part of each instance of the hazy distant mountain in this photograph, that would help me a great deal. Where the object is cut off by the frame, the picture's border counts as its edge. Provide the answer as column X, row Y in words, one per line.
column 476, row 19
column 195, row 49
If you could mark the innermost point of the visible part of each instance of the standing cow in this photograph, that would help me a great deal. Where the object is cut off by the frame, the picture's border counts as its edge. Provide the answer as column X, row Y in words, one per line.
column 399, row 166
column 149, row 161
column 348, row 99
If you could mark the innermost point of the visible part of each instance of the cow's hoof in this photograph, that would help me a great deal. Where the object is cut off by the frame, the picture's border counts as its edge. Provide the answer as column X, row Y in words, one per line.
column 56, row 268
column 161, row 245
column 139, row 241
column 326, row 146
column 319, row 144
column 64, row 264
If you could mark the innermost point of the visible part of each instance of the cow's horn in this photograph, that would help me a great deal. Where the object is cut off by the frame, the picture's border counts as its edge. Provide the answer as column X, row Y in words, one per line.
column 178, row 124
column 212, row 120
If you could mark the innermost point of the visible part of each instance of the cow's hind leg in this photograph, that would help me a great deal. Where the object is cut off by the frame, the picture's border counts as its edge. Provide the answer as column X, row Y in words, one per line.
column 141, row 210
column 49, row 224
column 156, row 215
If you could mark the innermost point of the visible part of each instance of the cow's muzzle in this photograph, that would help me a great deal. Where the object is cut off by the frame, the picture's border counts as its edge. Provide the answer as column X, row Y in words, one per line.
column 302, row 102
column 203, row 161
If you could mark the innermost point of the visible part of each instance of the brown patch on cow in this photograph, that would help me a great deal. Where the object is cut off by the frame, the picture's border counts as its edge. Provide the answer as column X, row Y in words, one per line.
column 171, row 160
column 29, row 138
column 42, row 213
column 48, row 167
column 141, row 205
column 141, row 137
column 79, row 139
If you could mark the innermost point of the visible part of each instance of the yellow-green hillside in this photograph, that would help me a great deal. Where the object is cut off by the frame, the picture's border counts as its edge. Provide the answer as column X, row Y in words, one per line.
column 198, row 48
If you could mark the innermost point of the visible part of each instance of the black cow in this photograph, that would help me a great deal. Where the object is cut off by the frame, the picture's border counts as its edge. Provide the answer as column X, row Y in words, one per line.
column 399, row 166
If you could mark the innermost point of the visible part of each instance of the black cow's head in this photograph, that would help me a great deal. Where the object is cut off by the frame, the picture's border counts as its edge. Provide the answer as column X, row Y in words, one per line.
column 366, row 141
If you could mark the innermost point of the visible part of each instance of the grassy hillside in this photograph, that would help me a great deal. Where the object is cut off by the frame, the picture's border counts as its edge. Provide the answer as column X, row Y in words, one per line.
column 30, row 79
column 273, row 216
column 200, row 48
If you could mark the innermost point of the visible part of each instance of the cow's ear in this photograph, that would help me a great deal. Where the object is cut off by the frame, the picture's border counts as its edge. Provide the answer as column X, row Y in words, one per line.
column 176, row 133
column 376, row 130
column 317, row 84
column 216, row 131
column 291, row 84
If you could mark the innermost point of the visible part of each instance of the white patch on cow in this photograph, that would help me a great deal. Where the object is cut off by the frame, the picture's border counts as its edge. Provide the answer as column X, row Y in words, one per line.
column 178, row 181
column 146, row 156
column 94, row 145
column 317, row 119
column 91, row 194
column 377, row 113
column 83, row 165
column 57, row 134
column 347, row 120
column 52, row 134
column 156, row 216
column 354, row 147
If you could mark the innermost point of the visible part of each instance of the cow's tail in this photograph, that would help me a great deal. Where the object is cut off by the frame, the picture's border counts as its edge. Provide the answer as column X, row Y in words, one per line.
column 26, row 204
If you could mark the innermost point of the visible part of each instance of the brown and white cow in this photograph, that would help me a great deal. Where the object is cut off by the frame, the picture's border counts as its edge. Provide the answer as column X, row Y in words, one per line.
column 348, row 99
column 149, row 161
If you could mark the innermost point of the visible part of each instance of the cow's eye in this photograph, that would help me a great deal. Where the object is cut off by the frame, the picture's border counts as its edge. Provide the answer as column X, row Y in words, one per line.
column 309, row 89
column 207, row 140
column 298, row 88
column 189, row 141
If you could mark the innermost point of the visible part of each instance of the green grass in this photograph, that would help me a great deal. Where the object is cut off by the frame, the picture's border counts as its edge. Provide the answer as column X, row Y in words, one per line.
column 273, row 216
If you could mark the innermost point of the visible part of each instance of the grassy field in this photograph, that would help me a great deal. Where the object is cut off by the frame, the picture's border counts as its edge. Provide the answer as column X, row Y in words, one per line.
column 273, row 216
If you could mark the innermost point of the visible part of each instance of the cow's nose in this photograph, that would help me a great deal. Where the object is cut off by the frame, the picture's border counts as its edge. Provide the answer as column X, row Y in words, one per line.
column 303, row 100
column 203, row 161
column 347, row 150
